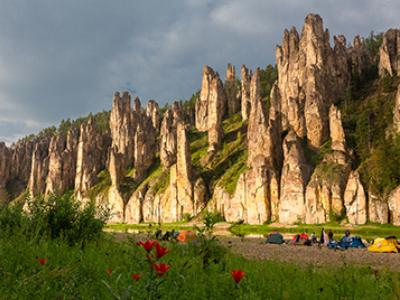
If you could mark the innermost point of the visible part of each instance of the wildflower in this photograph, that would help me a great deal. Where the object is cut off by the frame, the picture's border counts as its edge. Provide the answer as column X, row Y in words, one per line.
column 109, row 271
column 42, row 261
column 161, row 251
column 136, row 276
column 147, row 245
column 161, row 268
column 237, row 275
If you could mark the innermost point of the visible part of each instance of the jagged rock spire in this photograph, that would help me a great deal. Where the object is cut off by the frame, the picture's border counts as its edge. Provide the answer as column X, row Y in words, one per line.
column 389, row 53
column 210, row 107
column 311, row 74
column 245, row 94
column 153, row 112
column 294, row 177
column 91, row 157
column 355, row 200
column 62, row 162
column 232, row 91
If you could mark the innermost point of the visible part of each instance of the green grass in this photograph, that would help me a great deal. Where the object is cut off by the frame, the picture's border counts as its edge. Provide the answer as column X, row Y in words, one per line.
column 75, row 273
column 369, row 231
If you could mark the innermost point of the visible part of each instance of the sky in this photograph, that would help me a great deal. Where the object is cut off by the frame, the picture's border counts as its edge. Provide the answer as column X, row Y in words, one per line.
column 64, row 59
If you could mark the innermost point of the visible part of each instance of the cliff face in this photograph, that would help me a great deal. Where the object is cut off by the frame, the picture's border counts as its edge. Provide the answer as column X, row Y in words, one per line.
column 252, row 150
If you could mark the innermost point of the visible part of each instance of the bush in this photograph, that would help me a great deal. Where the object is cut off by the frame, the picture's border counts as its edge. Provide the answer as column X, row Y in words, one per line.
column 56, row 217
column 211, row 218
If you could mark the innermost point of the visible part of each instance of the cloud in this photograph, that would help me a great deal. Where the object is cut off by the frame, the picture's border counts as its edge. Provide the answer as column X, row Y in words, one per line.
column 61, row 59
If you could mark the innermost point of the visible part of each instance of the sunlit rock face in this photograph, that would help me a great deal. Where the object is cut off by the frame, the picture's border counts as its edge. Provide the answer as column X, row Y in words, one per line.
column 394, row 206
column 389, row 53
column 210, row 108
column 39, row 168
column 62, row 162
column 355, row 200
column 92, row 153
column 232, row 91
column 311, row 75
column 245, row 92
column 294, row 178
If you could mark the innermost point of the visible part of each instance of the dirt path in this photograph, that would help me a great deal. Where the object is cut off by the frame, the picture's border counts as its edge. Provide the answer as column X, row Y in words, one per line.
column 255, row 248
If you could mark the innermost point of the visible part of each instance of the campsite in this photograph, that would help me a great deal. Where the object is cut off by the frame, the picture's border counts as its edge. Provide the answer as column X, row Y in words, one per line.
column 199, row 149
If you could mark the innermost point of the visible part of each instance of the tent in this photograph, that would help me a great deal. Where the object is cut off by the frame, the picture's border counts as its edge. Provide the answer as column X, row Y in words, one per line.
column 185, row 236
column 275, row 238
column 351, row 242
column 381, row 245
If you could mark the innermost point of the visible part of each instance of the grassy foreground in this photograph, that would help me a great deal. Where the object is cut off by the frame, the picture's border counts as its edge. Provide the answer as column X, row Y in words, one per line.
column 76, row 273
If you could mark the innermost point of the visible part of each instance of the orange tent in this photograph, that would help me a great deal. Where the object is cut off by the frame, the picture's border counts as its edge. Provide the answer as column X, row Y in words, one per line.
column 185, row 236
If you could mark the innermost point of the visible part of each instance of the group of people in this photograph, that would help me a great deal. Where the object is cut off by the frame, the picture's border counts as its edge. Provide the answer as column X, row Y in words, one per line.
column 326, row 238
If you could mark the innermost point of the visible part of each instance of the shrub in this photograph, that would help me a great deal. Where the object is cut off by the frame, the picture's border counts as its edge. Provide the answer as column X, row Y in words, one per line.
column 56, row 217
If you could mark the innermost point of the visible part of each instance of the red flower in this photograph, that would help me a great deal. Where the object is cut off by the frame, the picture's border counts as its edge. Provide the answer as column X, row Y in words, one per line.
column 161, row 268
column 42, row 261
column 109, row 271
column 237, row 275
column 136, row 276
column 147, row 245
column 161, row 251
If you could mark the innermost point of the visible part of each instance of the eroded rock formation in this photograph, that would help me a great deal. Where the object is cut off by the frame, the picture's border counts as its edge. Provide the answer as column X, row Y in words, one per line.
column 232, row 91
column 39, row 169
column 210, row 108
column 62, row 162
column 389, row 53
column 311, row 74
column 355, row 200
column 294, row 178
column 245, row 93
column 92, row 153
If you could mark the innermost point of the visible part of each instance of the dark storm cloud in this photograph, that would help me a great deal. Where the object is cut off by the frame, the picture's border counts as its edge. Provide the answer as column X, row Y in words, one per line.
column 61, row 59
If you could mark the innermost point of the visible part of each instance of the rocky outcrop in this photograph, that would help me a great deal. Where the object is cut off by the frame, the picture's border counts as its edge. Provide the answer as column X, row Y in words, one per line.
column 294, row 178
column 181, row 185
column 5, row 166
column 137, row 106
column 145, row 146
column 358, row 57
column 337, row 136
column 355, row 200
column 318, row 201
column 121, row 128
column 62, row 163
column 259, row 142
column 210, row 108
column 311, row 75
column 184, row 194
column 168, row 139
column 378, row 210
column 324, row 193
column 153, row 113
column 245, row 93
column 389, row 53
column 394, row 206
column 39, row 169
column 232, row 91
column 92, row 153
column 21, row 157
column 396, row 112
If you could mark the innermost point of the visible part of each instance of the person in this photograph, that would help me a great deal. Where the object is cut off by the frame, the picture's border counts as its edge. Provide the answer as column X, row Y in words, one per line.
column 313, row 238
column 346, row 241
column 331, row 242
column 324, row 237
